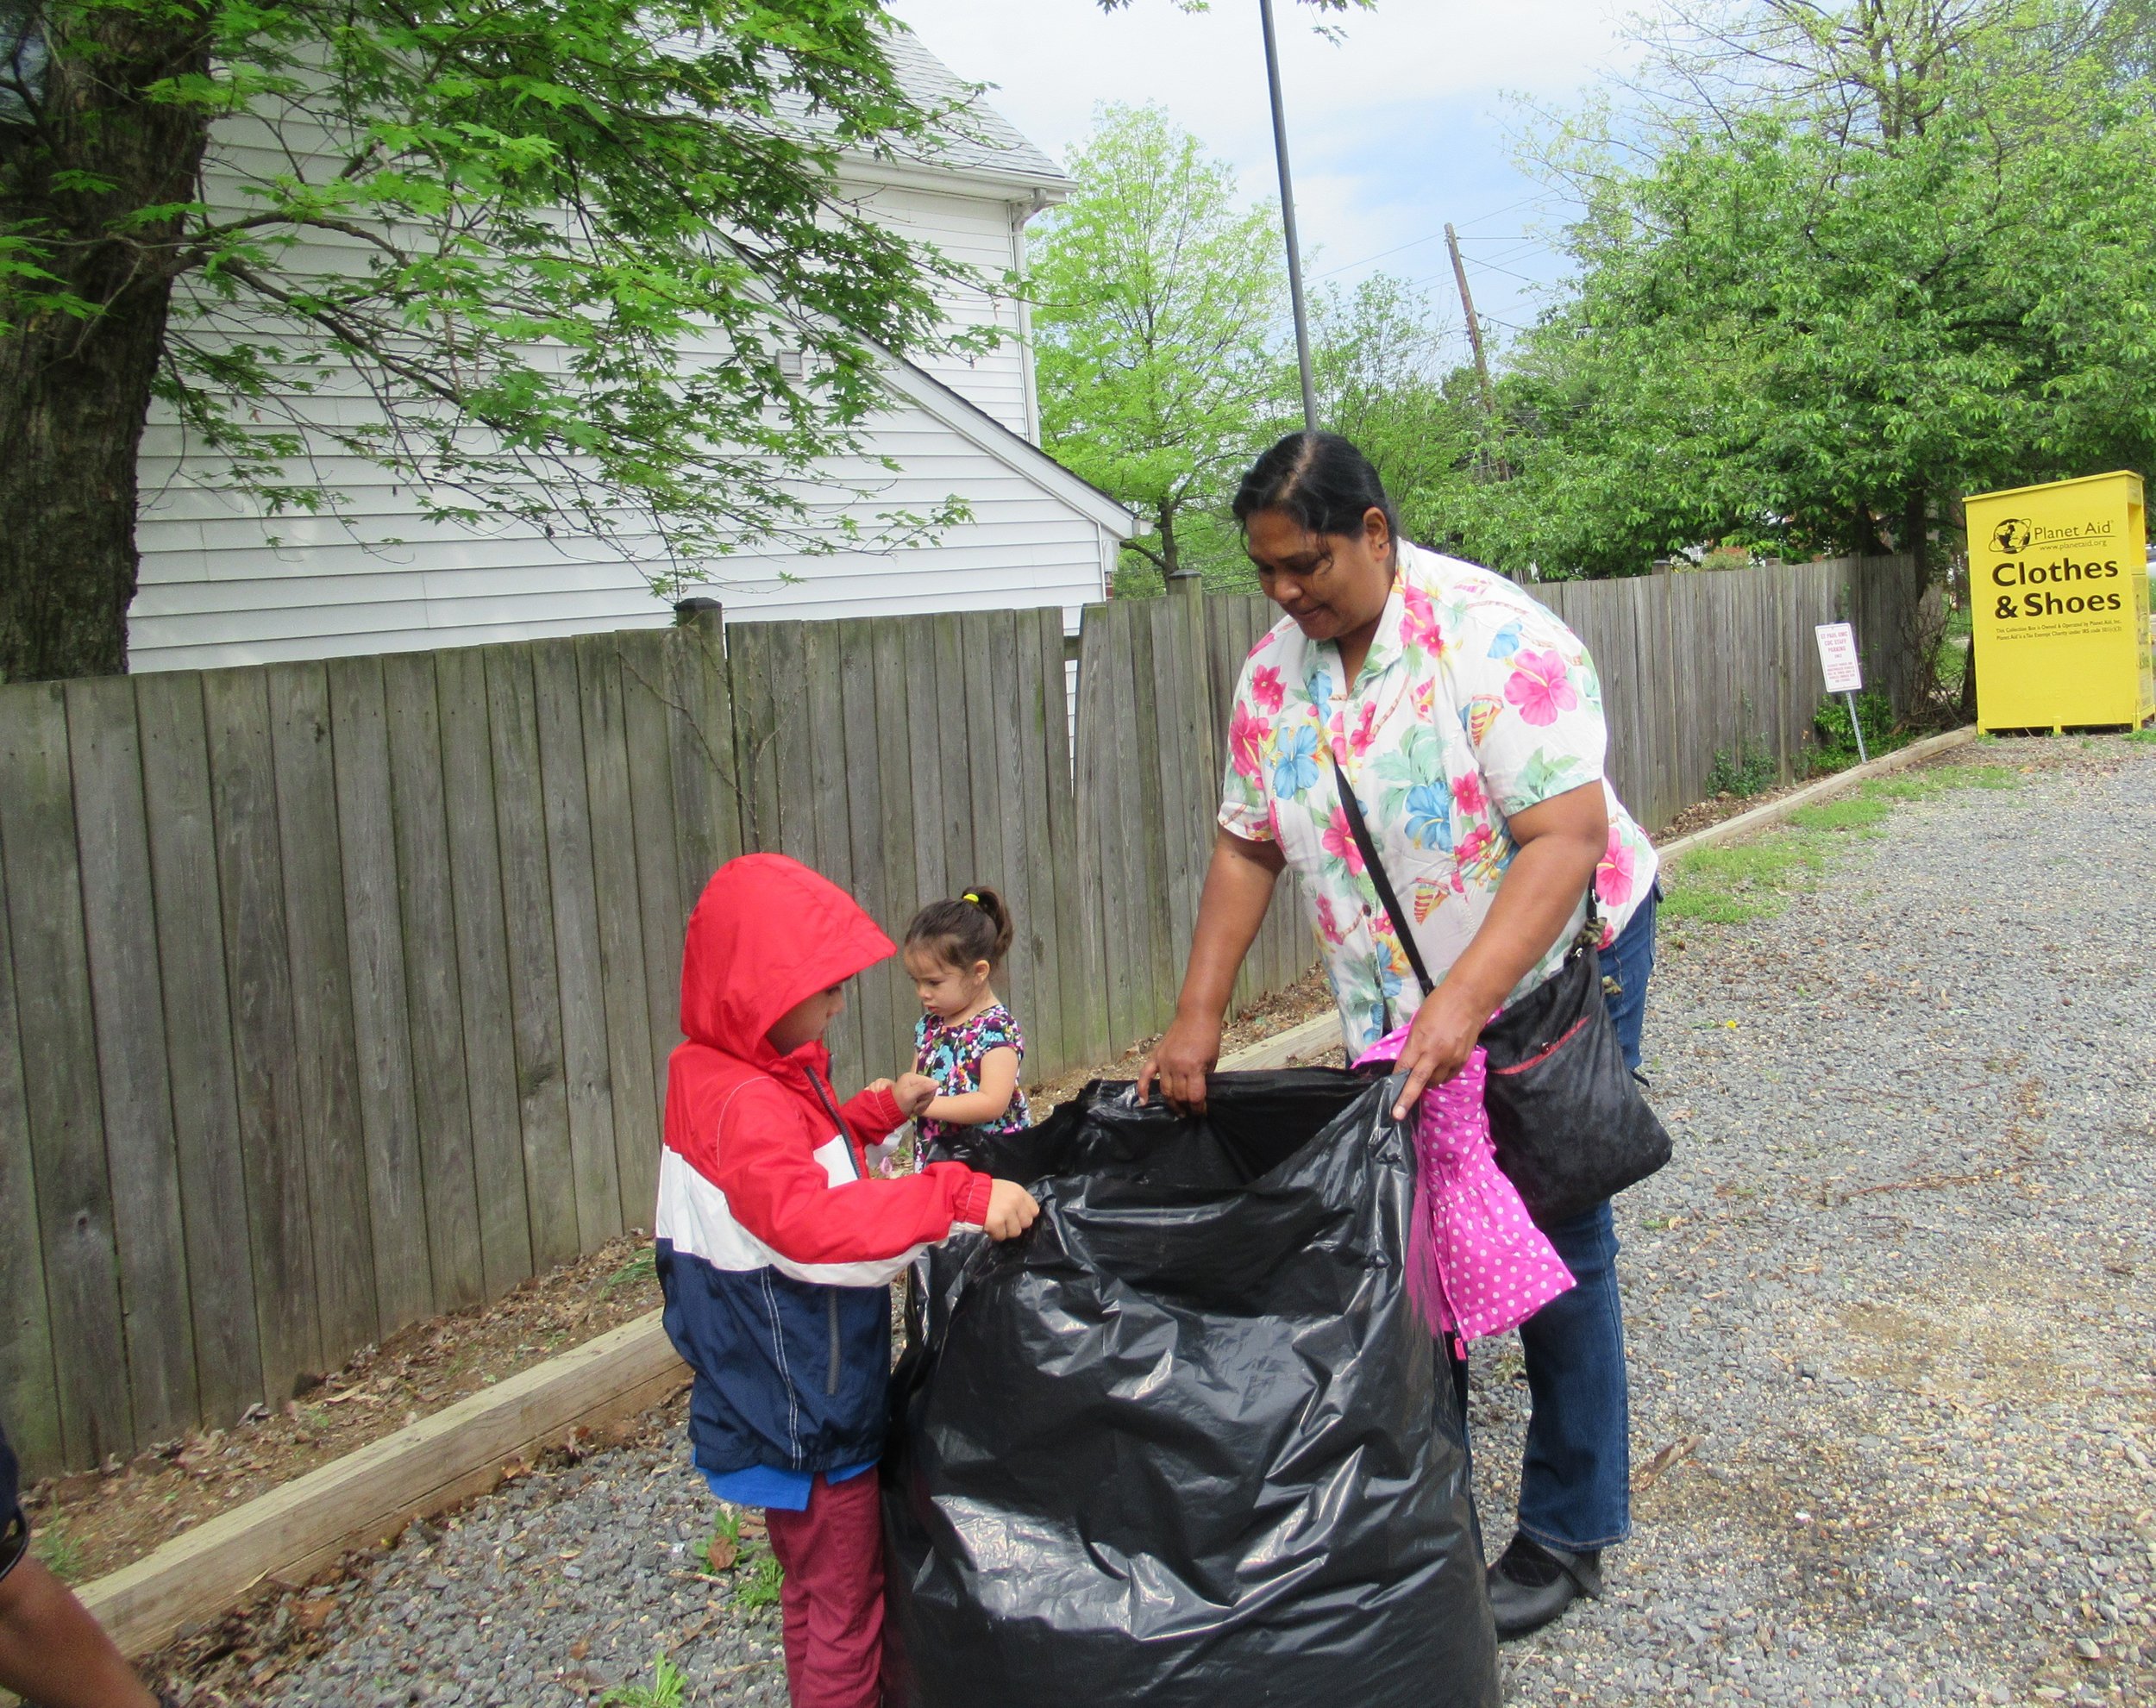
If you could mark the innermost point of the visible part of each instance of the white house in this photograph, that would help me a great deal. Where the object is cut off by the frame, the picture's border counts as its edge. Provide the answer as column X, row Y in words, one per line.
column 224, row 583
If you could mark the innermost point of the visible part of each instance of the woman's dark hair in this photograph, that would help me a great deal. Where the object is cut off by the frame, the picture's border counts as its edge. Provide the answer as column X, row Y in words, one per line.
column 1320, row 480
column 975, row 926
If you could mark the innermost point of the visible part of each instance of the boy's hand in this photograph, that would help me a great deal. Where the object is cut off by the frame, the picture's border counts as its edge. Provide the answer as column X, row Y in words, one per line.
column 1011, row 1210
column 877, row 1085
column 914, row 1092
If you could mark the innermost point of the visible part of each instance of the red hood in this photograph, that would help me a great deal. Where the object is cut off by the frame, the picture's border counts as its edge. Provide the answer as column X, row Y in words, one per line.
column 766, row 933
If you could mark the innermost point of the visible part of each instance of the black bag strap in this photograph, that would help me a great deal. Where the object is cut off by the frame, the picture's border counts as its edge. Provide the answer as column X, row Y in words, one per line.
column 1367, row 846
column 1590, row 930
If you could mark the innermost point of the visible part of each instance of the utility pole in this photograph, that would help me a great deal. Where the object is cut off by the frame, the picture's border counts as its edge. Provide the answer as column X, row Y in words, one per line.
column 1473, row 326
column 1287, row 223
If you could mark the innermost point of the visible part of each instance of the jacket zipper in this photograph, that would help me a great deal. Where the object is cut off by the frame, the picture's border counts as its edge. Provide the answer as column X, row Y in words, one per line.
column 830, row 1296
column 831, row 1382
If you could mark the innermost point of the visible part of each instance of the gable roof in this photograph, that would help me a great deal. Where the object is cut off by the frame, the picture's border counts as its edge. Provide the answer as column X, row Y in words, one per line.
column 982, row 140
column 977, row 142
column 962, row 416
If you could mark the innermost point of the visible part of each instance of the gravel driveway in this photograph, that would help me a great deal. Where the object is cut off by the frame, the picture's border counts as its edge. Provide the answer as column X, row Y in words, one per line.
column 1895, row 1291
column 1898, row 1283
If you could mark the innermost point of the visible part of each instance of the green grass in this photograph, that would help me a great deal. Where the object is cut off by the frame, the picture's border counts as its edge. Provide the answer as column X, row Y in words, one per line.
column 1737, row 883
column 643, row 1267
column 669, row 1684
column 762, row 1588
column 2143, row 736
column 57, row 1552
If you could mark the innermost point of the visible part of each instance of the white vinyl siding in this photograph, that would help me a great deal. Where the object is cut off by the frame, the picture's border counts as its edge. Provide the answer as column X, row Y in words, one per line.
column 981, row 234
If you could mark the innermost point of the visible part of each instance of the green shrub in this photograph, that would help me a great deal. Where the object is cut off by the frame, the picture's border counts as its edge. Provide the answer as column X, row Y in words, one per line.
column 1750, row 770
column 1835, row 740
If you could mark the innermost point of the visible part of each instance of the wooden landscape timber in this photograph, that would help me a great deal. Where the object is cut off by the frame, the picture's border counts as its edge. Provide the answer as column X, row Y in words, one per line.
column 365, row 1498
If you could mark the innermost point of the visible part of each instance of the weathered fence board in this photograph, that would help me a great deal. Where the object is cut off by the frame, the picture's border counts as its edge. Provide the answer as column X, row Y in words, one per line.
column 265, row 1045
column 381, row 1023
column 27, row 1375
column 534, row 1009
column 627, row 996
column 334, row 1143
column 433, row 991
column 190, row 953
column 120, row 931
column 334, row 995
column 508, row 1199
column 57, row 1036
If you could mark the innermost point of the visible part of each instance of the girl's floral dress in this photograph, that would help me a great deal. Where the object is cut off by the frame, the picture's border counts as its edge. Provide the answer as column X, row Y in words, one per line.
column 1474, row 703
column 951, row 1055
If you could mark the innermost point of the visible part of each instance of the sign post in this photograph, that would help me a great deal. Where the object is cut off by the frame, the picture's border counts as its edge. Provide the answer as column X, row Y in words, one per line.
column 1844, row 672
column 2058, row 604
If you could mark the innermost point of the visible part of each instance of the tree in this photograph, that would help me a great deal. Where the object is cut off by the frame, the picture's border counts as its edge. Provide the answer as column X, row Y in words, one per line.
column 525, row 211
column 1915, row 257
column 1383, row 362
column 1158, row 308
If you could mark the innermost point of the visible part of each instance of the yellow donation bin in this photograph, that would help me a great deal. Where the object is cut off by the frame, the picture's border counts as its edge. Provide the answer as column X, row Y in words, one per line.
column 2058, row 595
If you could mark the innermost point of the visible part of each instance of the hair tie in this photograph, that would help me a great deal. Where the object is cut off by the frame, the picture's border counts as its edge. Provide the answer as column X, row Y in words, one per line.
column 972, row 897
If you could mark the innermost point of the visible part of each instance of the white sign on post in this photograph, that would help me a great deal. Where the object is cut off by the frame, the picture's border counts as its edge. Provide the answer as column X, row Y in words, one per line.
column 1845, row 675
column 1838, row 658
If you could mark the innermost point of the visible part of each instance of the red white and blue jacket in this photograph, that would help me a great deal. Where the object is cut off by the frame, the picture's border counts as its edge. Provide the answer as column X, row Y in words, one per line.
column 775, row 1244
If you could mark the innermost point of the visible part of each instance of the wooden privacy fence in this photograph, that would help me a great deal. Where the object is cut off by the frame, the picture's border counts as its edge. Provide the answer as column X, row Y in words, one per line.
column 334, row 995
column 1699, row 664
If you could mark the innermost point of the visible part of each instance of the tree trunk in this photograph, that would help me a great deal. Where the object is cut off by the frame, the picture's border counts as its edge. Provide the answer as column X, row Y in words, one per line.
column 1916, row 527
column 75, row 389
column 1174, row 578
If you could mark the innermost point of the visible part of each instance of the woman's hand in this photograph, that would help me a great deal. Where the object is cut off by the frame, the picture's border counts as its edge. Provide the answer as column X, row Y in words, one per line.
column 1238, row 887
column 1179, row 1062
column 1439, row 1041
column 912, row 1093
column 1011, row 1210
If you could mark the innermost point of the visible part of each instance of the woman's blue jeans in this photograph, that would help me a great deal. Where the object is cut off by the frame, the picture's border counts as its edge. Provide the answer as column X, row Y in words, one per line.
column 1576, row 1479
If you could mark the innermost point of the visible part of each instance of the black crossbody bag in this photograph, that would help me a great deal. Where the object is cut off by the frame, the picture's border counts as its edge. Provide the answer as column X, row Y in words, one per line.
column 1569, row 1126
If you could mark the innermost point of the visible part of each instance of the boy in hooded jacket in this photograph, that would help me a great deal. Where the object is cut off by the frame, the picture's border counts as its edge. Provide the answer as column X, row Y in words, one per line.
column 777, row 1244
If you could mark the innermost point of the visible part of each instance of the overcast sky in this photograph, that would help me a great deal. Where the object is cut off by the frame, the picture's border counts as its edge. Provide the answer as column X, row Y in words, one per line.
column 1402, row 126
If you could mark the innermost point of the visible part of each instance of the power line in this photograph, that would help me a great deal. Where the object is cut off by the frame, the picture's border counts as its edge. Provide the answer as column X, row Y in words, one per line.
column 1433, row 237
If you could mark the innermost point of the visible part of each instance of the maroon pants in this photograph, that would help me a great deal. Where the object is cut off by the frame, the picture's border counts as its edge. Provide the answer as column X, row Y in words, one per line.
column 832, row 1599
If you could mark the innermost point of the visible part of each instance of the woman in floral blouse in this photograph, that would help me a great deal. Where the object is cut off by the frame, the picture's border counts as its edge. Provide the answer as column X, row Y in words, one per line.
column 1469, row 721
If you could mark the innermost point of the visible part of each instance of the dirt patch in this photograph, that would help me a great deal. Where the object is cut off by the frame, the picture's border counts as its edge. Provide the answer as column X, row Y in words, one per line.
column 1701, row 814
column 96, row 1521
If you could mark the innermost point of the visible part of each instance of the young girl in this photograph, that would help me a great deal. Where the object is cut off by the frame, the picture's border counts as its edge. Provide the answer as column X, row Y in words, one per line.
column 966, row 1041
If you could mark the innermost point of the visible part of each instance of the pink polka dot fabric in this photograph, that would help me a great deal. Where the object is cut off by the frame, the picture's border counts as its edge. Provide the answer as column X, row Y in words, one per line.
column 1476, row 1264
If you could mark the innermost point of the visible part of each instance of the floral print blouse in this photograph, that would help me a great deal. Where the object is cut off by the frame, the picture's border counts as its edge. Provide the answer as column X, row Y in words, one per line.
column 951, row 1055
column 1474, row 703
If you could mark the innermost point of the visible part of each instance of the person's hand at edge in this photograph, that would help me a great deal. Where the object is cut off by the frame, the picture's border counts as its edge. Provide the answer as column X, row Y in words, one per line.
column 1439, row 1041
column 1011, row 1210
column 1187, row 1052
column 912, row 1093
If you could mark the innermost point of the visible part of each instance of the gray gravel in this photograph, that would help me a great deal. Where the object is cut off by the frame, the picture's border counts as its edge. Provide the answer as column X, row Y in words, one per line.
column 1896, row 1284
column 552, row 1590
column 1898, row 1280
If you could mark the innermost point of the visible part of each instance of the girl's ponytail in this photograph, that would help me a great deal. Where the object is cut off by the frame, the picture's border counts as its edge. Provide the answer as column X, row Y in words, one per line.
column 975, row 926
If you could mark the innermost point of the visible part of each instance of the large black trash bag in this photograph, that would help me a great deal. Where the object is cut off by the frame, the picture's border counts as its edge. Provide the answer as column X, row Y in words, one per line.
column 1185, row 1442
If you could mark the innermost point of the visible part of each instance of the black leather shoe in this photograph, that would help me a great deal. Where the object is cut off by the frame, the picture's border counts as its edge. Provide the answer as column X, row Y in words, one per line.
column 1532, row 1584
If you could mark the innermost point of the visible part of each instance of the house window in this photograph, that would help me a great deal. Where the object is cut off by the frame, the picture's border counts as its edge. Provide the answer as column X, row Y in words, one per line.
column 792, row 365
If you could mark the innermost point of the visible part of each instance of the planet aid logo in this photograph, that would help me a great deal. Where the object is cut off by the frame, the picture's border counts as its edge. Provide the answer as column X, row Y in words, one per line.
column 2047, row 569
